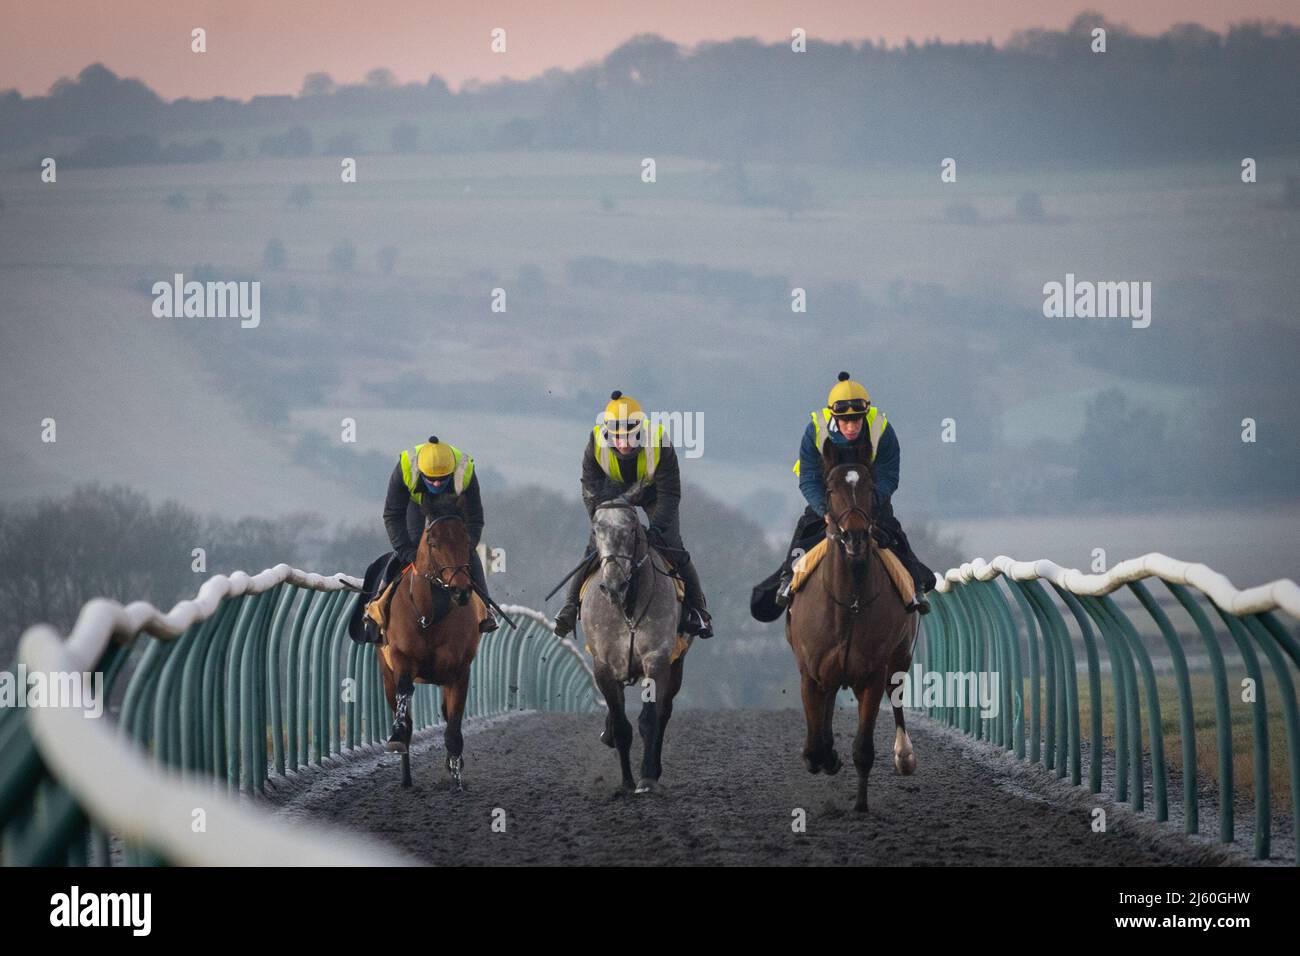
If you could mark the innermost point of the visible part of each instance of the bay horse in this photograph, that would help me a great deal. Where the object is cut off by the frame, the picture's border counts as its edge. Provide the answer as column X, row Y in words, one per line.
column 848, row 627
column 432, row 637
column 630, row 622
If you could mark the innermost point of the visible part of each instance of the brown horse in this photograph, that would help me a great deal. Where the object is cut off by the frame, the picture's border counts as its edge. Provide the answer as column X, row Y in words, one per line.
column 848, row 628
column 432, row 637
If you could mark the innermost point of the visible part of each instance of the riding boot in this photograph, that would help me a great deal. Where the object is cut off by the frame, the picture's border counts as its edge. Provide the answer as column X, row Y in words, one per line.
column 567, row 619
column 489, row 622
column 922, row 577
column 808, row 531
column 695, row 615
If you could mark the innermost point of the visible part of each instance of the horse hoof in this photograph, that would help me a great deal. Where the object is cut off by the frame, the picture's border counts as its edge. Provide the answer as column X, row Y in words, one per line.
column 833, row 764
column 395, row 747
column 905, row 764
column 647, row 786
column 860, row 806
column 812, row 765
column 607, row 738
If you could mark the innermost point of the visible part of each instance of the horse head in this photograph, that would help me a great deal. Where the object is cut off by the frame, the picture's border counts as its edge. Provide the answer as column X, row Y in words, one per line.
column 444, row 555
column 620, row 541
column 850, row 506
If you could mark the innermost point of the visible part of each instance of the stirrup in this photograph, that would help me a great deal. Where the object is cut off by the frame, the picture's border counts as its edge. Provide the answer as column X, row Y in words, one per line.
column 919, row 604
column 783, row 592
column 696, row 622
column 488, row 624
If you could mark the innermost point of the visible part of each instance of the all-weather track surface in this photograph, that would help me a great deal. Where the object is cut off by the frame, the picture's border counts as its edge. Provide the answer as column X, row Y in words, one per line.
column 732, row 783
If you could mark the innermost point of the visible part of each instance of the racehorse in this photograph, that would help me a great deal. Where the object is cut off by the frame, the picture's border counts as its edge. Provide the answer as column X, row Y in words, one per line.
column 630, row 621
column 432, row 637
column 848, row 628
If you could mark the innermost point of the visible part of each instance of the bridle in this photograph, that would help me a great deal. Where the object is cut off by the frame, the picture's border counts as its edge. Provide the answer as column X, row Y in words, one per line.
column 837, row 533
column 439, row 577
column 633, row 563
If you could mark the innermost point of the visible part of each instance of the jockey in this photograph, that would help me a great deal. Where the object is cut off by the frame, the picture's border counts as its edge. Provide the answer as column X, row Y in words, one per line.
column 848, row 420
column 430, row 480
column 620, row 452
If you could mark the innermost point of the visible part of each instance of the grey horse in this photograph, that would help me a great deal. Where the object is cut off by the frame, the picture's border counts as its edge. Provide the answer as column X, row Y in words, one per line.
column 630, row 622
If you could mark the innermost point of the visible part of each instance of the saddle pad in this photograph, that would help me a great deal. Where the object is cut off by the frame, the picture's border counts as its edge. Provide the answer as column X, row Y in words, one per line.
column 807, row 563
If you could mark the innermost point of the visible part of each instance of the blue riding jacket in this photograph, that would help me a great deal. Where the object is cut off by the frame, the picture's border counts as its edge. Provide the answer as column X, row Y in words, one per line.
column 813, row 483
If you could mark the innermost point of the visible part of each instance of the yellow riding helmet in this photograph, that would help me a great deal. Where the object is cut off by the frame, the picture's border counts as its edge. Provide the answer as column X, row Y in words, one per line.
column 848, row 398
column 623, row 414
column 436, row 459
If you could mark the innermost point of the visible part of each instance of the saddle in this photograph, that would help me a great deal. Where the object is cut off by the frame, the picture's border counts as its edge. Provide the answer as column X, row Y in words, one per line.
column 684, row 641
column 808, row 561
column 362, row 627
column 377, row 610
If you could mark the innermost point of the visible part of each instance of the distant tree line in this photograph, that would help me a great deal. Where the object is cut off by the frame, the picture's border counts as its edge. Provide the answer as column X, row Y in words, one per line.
column 1044, row 95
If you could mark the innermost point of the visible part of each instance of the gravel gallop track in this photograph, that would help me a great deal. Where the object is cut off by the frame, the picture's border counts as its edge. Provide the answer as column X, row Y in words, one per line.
column 731, row 781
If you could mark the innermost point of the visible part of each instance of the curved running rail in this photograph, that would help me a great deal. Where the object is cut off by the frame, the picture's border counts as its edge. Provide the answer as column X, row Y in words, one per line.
column 1283, row 594
column 1028, row 644
column 254, row 678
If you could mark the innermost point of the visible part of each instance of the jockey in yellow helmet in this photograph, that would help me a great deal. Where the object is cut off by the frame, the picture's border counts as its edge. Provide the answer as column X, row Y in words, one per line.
column 432, row 479
column 620, row 452
column 850, row 425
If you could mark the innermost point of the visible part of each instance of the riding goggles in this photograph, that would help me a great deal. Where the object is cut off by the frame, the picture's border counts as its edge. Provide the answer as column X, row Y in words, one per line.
column 850, row 406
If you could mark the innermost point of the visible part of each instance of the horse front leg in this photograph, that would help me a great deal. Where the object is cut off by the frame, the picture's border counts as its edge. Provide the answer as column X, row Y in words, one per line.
column 656, row 708
column 616, row 721
column 904, row 756
column 454, row 698
column 399, row 687
column 864, row 745
column 817, row 756
column 666, row 711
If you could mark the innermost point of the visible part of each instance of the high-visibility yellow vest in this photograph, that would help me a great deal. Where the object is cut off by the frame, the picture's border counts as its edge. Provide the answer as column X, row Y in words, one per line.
column 461, row 473
column 876, row 422
column 647, row 457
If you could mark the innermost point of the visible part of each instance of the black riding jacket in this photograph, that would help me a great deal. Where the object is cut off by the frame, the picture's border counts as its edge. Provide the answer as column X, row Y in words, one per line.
column 404, row 518
column 662, row 497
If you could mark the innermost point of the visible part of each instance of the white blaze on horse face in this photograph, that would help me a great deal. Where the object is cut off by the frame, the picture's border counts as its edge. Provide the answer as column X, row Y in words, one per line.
column 852, row 477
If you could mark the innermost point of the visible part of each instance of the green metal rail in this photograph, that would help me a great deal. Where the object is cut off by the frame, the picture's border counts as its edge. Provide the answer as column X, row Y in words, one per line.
column 1014, row 618
column 255, row 678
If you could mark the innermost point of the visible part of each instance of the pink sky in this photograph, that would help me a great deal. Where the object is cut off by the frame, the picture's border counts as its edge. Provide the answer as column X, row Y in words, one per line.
column 268, row 46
